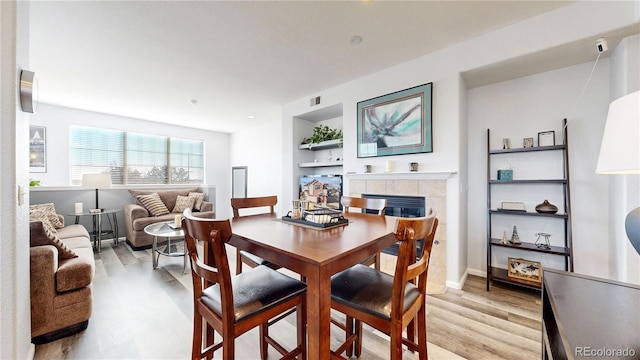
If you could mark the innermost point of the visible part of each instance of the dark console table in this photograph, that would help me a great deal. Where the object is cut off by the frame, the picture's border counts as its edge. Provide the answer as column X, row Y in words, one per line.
column 584, row 316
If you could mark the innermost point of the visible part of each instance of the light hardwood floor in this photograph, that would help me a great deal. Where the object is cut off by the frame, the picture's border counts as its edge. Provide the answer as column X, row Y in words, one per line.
column 140, row 313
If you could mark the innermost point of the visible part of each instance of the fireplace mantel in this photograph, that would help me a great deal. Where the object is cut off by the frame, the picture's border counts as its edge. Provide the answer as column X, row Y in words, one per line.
column 418, row 175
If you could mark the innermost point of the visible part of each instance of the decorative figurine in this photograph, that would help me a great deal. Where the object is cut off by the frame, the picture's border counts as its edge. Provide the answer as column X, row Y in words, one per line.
column 504, row 238
column 542, row 245
column 515, row 239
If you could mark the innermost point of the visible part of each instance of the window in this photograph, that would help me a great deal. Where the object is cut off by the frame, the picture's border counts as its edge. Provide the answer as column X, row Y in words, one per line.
column 187, row 161
column 133, row 158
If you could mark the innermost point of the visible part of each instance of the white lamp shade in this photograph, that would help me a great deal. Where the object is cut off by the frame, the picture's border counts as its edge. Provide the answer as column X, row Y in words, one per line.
column 620, row 148
column 96, row 181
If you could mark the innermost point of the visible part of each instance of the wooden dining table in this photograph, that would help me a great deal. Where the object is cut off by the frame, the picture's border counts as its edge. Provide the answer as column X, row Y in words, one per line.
column 316, row 254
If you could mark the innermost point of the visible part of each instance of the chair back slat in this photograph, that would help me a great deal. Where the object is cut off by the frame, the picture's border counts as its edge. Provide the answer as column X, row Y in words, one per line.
column 215, row 268
column 407, row 232
column 253, row 202
column 363, row 203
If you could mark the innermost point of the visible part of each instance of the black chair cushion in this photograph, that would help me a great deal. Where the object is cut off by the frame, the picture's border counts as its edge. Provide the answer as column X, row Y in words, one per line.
column 368, row 290
column 255, row 259
column 255, row 290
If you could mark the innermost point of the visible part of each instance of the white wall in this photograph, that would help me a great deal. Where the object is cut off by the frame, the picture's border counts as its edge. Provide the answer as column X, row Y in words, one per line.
column 521, row 108
column 259, row 148
column 15, row 311
column 58, row 121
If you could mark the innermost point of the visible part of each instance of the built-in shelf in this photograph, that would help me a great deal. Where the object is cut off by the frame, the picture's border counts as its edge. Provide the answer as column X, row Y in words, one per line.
column 329, row 144
column 317, row 164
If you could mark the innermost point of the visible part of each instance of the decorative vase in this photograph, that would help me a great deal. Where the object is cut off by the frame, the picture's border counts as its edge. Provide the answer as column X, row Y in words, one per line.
column 546, row 208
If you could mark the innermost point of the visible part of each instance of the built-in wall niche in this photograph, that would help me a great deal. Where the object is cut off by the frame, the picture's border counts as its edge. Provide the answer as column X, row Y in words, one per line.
column 321, row 158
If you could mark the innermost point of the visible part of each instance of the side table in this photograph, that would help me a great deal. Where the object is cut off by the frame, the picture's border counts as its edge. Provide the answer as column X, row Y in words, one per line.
column 162, row 229
column 98, row 232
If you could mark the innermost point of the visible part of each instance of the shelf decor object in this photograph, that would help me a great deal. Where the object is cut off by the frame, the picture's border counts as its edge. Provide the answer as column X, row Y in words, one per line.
column 525, row 270
column 620, row 151
column 520, row 216
column 547, row 138
column 397, row 123
column 505, row 174
column 546, row 208
column 322, row 134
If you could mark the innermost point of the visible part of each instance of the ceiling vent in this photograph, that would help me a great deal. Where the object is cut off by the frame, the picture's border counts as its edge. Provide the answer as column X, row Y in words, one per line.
column 314, row 101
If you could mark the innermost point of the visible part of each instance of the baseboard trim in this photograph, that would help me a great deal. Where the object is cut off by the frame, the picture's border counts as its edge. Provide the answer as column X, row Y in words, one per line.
column 477, row 272
column 31, row 354
column 460, row 283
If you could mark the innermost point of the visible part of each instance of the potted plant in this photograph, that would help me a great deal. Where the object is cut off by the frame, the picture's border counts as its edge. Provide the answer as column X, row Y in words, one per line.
column 322, row 133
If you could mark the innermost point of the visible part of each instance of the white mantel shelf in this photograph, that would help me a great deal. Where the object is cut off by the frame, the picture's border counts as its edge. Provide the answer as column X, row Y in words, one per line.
column 420, row 175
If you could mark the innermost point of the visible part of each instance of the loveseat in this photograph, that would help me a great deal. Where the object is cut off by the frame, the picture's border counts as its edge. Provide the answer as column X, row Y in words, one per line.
column 137, row 216
column 62, row 270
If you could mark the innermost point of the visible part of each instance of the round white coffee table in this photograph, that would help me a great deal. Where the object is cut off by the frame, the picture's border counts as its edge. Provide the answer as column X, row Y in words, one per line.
column 166, row 230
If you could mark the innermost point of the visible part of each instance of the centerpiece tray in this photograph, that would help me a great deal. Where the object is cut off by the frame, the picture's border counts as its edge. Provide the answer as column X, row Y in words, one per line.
column 337, row 222
column 319, row 217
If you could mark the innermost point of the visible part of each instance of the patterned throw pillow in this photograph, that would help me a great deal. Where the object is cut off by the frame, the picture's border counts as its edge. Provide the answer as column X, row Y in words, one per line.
column 153, row 204
column 51, row 238
column 199, row 199
column 41, row 215
column 183, row 203
column 50, row 210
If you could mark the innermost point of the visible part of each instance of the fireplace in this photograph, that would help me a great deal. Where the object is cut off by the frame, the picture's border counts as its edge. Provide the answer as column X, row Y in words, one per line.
column 402, row 206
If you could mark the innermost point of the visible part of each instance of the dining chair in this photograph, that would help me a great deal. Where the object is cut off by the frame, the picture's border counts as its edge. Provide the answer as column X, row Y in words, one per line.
column 234, row 305
column 388, row 303
column 244, row 257
column 376, row 205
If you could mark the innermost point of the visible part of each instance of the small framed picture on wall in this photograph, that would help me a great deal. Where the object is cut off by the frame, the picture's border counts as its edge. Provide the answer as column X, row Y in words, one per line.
column 37, row 149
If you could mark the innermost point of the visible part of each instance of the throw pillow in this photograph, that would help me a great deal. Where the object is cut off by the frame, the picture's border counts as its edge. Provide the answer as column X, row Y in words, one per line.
column 183, row 203
column 51, row 238
column 199, row 199
column 40, row 215
column 153, row 204
column 50, row 210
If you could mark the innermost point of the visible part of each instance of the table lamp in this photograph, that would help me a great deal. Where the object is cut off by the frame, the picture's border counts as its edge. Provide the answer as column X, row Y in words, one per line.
column 620, row 151
column 96, row 181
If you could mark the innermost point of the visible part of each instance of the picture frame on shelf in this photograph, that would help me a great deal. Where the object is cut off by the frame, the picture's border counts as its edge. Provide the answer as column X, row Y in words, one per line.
column 524, row 270
column 396, row 123
column 527, row 142
column 37, row 149
column 547, row 138
column 506, row 143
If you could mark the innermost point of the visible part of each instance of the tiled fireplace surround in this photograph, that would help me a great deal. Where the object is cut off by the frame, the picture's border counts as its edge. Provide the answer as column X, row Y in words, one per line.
column 435, row 192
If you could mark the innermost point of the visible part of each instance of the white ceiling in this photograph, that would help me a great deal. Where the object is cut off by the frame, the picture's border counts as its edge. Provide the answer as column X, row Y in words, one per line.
column 149, row 59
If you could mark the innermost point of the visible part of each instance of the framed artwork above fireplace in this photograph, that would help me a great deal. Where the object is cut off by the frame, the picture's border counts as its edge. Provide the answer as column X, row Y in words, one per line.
column 397, row 123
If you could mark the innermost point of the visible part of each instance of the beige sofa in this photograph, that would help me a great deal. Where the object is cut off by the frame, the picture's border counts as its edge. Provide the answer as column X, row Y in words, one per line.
column 61, row 294
column 136, row 217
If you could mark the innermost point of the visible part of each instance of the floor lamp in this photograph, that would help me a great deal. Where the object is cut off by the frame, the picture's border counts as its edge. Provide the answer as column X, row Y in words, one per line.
column 96, row 181
column 620, row 151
